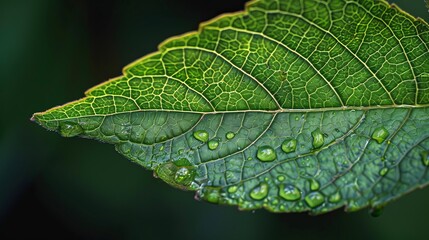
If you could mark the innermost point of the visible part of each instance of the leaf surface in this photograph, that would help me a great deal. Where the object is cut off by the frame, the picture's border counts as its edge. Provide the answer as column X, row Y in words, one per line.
column 290, row 105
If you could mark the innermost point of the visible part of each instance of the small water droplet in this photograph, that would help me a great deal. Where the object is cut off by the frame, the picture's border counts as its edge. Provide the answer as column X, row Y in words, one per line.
column 376, row 211
column 161, row 148
column 383, row 171
column 425, row 158
column 296, row 118
column 230, row 135
column 249, row 158
column 213, row 144
column 259, row 192
column 266, row 154
column 289, row 145
column 201, row 135
column 314, row 185
column 380, row 134
column 334, row 198
column 70, row 129
column 281, row 178
column 232, row 189
column 314, row 199
column 289, row 192
column 180, row 151
column 318, row 138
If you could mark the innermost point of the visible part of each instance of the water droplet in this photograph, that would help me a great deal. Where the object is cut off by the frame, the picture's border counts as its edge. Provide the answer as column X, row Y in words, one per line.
column 230, row 135
column 314, row 199
column 383, row 171
column 161, row 148
column 232, row 189
column 213, row 144
column 266, row 154
column 334, row 198
column 182, row 175
column 425, row 158
column 314, row 185
column 289, row 192
column 69, row 129
column 289, row 145
column 318, row 138
column 380, row 134
column 201, row 135
column 249, row 158
column 180, row 151
column 281, row 178
column 211, row 194
column 376, row 211
column 259, row 192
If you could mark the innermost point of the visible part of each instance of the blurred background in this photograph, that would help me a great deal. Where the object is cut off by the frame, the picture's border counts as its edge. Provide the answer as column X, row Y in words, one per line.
column 51, row 51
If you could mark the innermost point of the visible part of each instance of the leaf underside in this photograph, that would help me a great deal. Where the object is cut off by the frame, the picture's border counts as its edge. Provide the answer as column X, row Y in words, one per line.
column 290, row 105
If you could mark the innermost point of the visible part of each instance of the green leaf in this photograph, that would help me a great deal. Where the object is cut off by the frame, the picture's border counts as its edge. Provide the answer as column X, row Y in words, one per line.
column 290, row 105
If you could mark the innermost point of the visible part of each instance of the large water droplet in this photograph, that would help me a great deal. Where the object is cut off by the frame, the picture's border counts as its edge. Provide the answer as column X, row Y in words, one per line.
column 201, row 135
column 211, row 194
column 289, row 145
column 314, row 199
column 289, row 192
column 383, row 171
column 425, row 158
column 183, row 176
column 232, row 189
column 380, row 134
column 318, row 138
column 213, row 144
column 314, row 185
column 180, row 173
column 334, row 198
column 266, row 154
column 70, row 129
column 230, row 135
column 259, row 192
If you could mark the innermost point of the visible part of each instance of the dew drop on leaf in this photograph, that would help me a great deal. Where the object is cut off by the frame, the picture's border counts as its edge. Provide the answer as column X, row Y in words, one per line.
column 289, row 192
column 213, row 144
column 318, row 138
column 232, row 189
column 334, row 198
column 259, row 192
column 230, row 135
column 376, row 211
column 211, row 194
column 383, row 171
column 68, row 129
column 289, row 145
column 314, row 199
column 201, row 135
column 266, row 154
column 380, row 134
column 314, row 185
column 281, row 178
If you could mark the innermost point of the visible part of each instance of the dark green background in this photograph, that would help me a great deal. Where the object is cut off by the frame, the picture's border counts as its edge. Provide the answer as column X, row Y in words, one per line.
column 51, row 51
